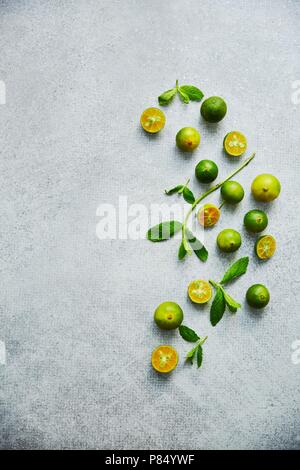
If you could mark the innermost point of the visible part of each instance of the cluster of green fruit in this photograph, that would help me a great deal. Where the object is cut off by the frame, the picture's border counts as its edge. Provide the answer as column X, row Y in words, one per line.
column 264, row 188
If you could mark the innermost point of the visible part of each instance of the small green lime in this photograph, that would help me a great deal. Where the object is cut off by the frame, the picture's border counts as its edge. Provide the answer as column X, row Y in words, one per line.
column 258, row 296
column 213, row 109
column 229, row 240
column 168, row 316
column 256, row 220
column 265, row 187
column 232, row 192
column 187, row 139
column 206, row 171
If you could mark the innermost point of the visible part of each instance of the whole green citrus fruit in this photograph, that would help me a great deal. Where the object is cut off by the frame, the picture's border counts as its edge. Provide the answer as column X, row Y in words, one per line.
column 265, row 187
column 229, row 240
column 258, row 296
column 187, row 139
column 213, row 109
column 256, row 221
column 232, row 192
column 168, row 316
column 206, row 171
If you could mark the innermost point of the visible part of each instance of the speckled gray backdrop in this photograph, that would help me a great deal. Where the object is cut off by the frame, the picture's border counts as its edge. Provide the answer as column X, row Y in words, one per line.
column 76, row 312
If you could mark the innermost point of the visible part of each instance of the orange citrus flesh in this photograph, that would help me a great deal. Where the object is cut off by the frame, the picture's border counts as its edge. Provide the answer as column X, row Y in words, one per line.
column 164, row 358
column 235, row 143
column 208, row 215
column 199, row 291
column 153, row 120
column 265, row 247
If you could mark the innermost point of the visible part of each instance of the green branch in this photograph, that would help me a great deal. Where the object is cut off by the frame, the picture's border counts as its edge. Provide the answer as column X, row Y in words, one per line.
column 214, row 188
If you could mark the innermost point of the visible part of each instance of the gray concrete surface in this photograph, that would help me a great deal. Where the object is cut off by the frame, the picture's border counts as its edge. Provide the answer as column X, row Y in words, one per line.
column 75, row 311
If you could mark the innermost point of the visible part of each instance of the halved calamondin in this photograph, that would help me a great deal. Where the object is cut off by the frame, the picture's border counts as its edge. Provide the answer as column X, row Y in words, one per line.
column 265, row 247
column 235, row 143
column 208, row 215
column 199, row 291
column 152, row 120
column 164, row 359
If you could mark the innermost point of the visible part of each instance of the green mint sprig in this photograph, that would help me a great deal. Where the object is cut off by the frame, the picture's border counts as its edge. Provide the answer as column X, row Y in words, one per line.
column 222, row 298
column 191, row 336
column 184, row 190
column 191, row 244
column 186, row 93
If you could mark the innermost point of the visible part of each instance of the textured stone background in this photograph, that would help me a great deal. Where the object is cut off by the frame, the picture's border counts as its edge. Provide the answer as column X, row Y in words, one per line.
column 76, row 312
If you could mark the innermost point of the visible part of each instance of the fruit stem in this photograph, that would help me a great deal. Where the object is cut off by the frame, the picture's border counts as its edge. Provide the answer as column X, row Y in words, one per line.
column 221, row 205
column 217, row 186
column 177, row 85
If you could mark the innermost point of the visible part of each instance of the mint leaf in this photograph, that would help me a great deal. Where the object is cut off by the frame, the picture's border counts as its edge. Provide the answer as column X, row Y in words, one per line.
column 232, row 304
column 199, row 356
column 174, row 190
column 217, row 308
column 197, row 350
column 190, row 355
column 232, row 309
column 183, row 96
column 235, row 270
column 166, row 97
column 188, row 334
column 192, row 92
column 186, row 245
column 182, row 251
column 198, row 247
column 188, row 195
column 163, row 231
column 186, row 93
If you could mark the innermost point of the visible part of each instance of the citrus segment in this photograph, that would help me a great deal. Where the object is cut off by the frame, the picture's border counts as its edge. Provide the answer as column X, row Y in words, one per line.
column 199, row 291
column 235, row 143
column 164, row 359
column 208, row 215
column 152, row 120
column 265, row 247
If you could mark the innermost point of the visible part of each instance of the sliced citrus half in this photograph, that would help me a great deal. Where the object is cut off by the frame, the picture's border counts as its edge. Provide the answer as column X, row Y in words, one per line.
column 265, row 247
column 152, row 120
column 235, row 143
column 208, row 215
column 199, row 291
column 164, row 358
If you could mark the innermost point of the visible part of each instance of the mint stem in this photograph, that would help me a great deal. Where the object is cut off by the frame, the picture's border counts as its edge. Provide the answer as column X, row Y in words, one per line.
column 202, row 341
column 213, row 283
column 184, row 186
